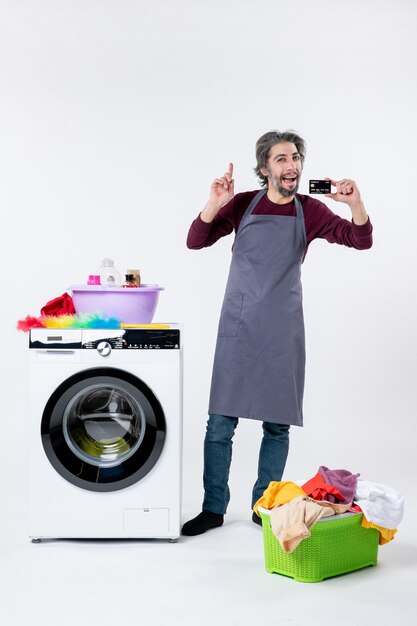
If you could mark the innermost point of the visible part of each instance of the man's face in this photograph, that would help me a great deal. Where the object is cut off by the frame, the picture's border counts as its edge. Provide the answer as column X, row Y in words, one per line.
column 284, row 168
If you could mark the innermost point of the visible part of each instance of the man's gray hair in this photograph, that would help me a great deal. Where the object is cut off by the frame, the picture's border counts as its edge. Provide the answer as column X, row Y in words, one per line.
column 265, row 143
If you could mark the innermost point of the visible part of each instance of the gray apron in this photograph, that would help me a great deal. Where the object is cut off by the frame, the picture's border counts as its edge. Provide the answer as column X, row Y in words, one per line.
column 259, row 362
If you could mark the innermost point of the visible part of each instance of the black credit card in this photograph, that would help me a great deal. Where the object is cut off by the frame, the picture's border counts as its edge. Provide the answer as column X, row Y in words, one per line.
column 319, row 186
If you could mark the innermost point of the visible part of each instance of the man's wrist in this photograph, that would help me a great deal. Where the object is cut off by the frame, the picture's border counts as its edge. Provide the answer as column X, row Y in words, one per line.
column 359, row 214
column 209, row 212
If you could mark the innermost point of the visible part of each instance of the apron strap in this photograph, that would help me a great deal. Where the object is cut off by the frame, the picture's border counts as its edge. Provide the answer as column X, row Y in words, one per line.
column 253, row 204
column 298, row 207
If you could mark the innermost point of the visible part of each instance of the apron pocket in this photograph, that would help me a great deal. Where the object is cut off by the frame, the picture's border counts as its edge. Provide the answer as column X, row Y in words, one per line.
column 230, row 315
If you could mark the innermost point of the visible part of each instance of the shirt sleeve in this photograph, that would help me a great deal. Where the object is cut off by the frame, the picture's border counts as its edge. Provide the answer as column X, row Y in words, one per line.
column 202, row 235
column 335, row 229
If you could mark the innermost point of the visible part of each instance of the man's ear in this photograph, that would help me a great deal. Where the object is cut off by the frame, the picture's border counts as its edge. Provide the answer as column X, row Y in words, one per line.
column 264, row 172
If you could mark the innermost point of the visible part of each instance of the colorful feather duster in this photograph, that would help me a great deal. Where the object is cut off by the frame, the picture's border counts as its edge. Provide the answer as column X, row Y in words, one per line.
column 85, row 320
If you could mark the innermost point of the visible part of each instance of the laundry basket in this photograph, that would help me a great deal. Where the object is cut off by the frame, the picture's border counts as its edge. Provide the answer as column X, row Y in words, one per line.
column 336, row 546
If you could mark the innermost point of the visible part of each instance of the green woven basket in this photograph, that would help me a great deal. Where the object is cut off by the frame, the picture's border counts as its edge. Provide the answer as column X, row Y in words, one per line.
column 336, row 546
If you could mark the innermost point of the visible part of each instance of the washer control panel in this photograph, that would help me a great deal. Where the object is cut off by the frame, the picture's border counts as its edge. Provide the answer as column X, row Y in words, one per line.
column 104, row 341
column 135, row 339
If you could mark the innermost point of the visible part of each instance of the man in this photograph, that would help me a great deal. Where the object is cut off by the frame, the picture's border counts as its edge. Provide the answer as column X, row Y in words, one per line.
column 258, row 370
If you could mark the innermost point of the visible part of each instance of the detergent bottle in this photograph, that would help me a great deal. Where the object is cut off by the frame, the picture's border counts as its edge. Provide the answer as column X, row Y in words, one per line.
column 136, row 274
column 129, row 281
column 109, row 274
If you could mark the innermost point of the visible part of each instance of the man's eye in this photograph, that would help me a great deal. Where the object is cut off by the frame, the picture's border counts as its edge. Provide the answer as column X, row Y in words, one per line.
column 296, row 157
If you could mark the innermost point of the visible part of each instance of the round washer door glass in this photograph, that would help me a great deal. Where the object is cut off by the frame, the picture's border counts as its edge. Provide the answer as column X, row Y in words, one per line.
column 103, row 429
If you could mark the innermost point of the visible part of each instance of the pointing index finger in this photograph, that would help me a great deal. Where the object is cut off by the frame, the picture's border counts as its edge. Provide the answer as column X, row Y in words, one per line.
column 231, row 170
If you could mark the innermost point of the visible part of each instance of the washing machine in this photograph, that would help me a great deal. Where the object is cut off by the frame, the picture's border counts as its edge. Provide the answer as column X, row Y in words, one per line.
column 105, row 433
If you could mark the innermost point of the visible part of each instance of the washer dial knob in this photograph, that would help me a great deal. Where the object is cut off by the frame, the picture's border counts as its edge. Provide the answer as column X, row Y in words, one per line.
column 104, row 348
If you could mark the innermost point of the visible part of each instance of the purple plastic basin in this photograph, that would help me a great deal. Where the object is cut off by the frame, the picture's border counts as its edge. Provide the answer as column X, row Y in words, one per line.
column 129, row 305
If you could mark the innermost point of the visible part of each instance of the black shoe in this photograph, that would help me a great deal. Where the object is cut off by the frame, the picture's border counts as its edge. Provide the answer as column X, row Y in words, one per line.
column 256, row 519
column 203, row 522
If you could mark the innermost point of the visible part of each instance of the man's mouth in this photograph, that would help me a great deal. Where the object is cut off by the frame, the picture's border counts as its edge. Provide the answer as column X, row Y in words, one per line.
column 289, row 179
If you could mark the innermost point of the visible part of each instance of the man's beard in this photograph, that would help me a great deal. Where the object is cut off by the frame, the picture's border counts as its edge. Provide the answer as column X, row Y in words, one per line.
column 286, row 193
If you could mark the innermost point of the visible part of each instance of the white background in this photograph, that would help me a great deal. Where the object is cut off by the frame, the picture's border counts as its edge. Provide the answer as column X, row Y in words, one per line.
column 115, row 116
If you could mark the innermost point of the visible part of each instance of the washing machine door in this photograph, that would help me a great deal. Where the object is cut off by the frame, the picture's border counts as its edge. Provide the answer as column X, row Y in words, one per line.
column 103, row 429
